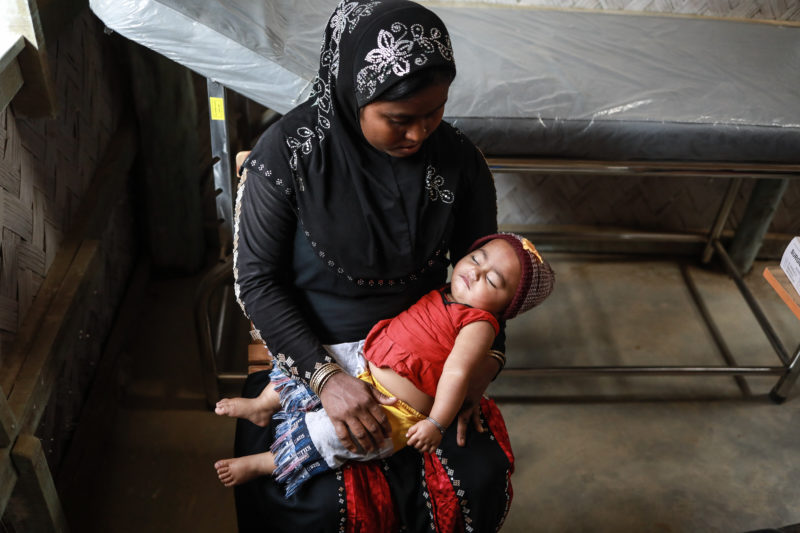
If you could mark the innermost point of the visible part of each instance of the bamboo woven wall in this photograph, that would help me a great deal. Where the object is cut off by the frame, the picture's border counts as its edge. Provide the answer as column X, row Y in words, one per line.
column 49, row 167
column 46, row 165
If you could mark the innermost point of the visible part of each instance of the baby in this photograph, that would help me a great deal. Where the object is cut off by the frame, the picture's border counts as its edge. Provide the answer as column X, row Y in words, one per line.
column 424, row 357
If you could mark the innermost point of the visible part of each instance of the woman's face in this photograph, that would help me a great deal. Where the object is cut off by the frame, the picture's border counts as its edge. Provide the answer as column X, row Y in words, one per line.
column 399, row 128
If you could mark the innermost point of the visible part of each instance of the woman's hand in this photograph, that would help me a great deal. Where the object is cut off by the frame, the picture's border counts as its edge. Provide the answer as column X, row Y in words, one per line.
column 355, row 409
column 424, row 436
column 471, row 411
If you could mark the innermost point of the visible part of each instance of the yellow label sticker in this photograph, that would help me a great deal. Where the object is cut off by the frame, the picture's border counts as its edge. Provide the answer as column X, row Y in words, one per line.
column 217, row 106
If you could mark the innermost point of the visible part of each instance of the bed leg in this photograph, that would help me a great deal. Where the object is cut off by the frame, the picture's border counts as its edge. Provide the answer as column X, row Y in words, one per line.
column 761, row 207
column 780, row 391
column 722, row 217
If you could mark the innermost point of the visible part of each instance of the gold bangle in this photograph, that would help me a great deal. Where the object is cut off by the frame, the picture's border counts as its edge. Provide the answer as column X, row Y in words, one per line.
column 317, row 378
column 324, row 381
column 500, row 357
column 322, row 375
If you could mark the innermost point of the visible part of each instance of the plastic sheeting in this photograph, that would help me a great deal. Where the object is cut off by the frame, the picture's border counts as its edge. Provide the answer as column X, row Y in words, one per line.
column 561, row 72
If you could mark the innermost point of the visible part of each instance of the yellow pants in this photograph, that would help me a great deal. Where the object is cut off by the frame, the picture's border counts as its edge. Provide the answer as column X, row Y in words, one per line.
column 401, row 415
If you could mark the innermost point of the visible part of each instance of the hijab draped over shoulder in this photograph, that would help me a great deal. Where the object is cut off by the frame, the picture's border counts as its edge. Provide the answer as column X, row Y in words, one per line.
column 371, row 218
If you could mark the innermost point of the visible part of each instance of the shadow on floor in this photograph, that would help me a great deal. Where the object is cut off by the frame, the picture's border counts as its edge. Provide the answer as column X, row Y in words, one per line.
column 619, row 453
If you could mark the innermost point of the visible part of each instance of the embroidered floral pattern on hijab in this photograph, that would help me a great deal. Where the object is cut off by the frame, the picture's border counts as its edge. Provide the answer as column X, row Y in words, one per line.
column 396, row 49
column 345, row 18
column 372, row 219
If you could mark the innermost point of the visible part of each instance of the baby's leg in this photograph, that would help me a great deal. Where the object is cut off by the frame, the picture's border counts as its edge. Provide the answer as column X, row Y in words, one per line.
column 241, row 469
column 257, row 410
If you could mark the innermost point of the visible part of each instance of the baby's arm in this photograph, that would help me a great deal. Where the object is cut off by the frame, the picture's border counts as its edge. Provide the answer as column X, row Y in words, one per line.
column 470, row 349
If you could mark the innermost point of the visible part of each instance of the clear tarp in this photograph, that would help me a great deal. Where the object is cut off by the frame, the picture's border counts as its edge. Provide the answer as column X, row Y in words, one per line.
column 541, row 65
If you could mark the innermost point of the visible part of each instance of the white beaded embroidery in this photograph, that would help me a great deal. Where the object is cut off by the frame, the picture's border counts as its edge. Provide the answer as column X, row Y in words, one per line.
column 396, row 50
column 434, row 184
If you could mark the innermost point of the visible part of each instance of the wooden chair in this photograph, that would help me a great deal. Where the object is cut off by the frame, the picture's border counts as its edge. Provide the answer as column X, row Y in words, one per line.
column 258, row 355
column 212, row 315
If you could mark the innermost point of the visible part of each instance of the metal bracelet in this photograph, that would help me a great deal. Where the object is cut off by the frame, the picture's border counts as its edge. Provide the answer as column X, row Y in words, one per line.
column 440, row 427
column 322, row 375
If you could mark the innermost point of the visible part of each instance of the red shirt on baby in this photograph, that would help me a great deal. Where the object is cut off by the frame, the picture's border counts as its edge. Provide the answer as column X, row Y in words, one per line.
column 416, row 343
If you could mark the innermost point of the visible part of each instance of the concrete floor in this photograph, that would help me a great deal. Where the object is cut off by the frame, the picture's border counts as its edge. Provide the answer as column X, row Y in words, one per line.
column 636, row 453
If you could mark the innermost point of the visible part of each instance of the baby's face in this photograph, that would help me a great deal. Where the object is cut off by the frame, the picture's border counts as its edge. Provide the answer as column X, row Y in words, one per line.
column 487, row 277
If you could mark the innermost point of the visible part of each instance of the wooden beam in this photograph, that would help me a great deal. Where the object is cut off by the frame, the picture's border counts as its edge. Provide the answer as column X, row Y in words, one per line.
column 779, row 281
column 8, row 423
column 35, row 380
column 10, row 47
column 34, row 506
column 31, row 325
column 8, row 478
column 10, row 74
column 37, row 96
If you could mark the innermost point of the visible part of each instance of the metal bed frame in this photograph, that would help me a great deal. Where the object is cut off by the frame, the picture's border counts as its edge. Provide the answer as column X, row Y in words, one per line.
column 771, row 182
column 764, row 199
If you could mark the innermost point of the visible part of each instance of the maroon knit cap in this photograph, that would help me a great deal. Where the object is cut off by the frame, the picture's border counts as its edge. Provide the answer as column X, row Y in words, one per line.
column 537, row 280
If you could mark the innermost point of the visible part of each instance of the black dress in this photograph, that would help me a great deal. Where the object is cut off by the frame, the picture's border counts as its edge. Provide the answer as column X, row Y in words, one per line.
column 331, row 236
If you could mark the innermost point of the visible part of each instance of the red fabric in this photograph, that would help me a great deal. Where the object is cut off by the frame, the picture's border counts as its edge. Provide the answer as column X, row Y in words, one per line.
column 369, row 502
column 444, row 502
column 416, row 343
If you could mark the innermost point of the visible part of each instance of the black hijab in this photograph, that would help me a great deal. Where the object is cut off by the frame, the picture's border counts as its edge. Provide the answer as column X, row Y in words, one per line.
column 370, row 217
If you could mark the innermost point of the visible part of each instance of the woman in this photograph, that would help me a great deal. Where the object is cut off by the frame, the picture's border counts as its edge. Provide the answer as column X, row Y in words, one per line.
column 347, row 210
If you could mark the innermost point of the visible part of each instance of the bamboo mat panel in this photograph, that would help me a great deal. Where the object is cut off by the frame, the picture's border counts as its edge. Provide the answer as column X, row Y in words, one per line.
column 46, row 165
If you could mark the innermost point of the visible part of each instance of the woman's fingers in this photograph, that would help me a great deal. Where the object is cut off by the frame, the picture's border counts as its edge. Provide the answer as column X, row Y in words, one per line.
column 344, row 435
column 351, row 402
column 464, row 418
column 369, row 425
column 384, row 428
column 476, row 419
column 355, row 436
column 382, row 398
column 363, row 435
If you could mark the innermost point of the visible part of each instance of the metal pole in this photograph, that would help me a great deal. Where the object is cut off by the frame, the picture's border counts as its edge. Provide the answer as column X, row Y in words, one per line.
column 761, row 207
column 719, row 340
column 762, row 319
column 222, row 165
column 781, row 389
column 722, row 217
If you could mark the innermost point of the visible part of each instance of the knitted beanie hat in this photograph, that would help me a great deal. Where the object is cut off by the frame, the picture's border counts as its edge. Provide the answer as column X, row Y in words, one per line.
column 537, row 280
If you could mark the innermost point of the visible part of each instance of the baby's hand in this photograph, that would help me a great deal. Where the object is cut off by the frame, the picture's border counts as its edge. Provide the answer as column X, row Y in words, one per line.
column 424, row 436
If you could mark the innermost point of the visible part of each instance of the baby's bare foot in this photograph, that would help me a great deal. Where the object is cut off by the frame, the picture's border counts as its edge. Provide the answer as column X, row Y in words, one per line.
column 257, row 410
column 236, row 471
